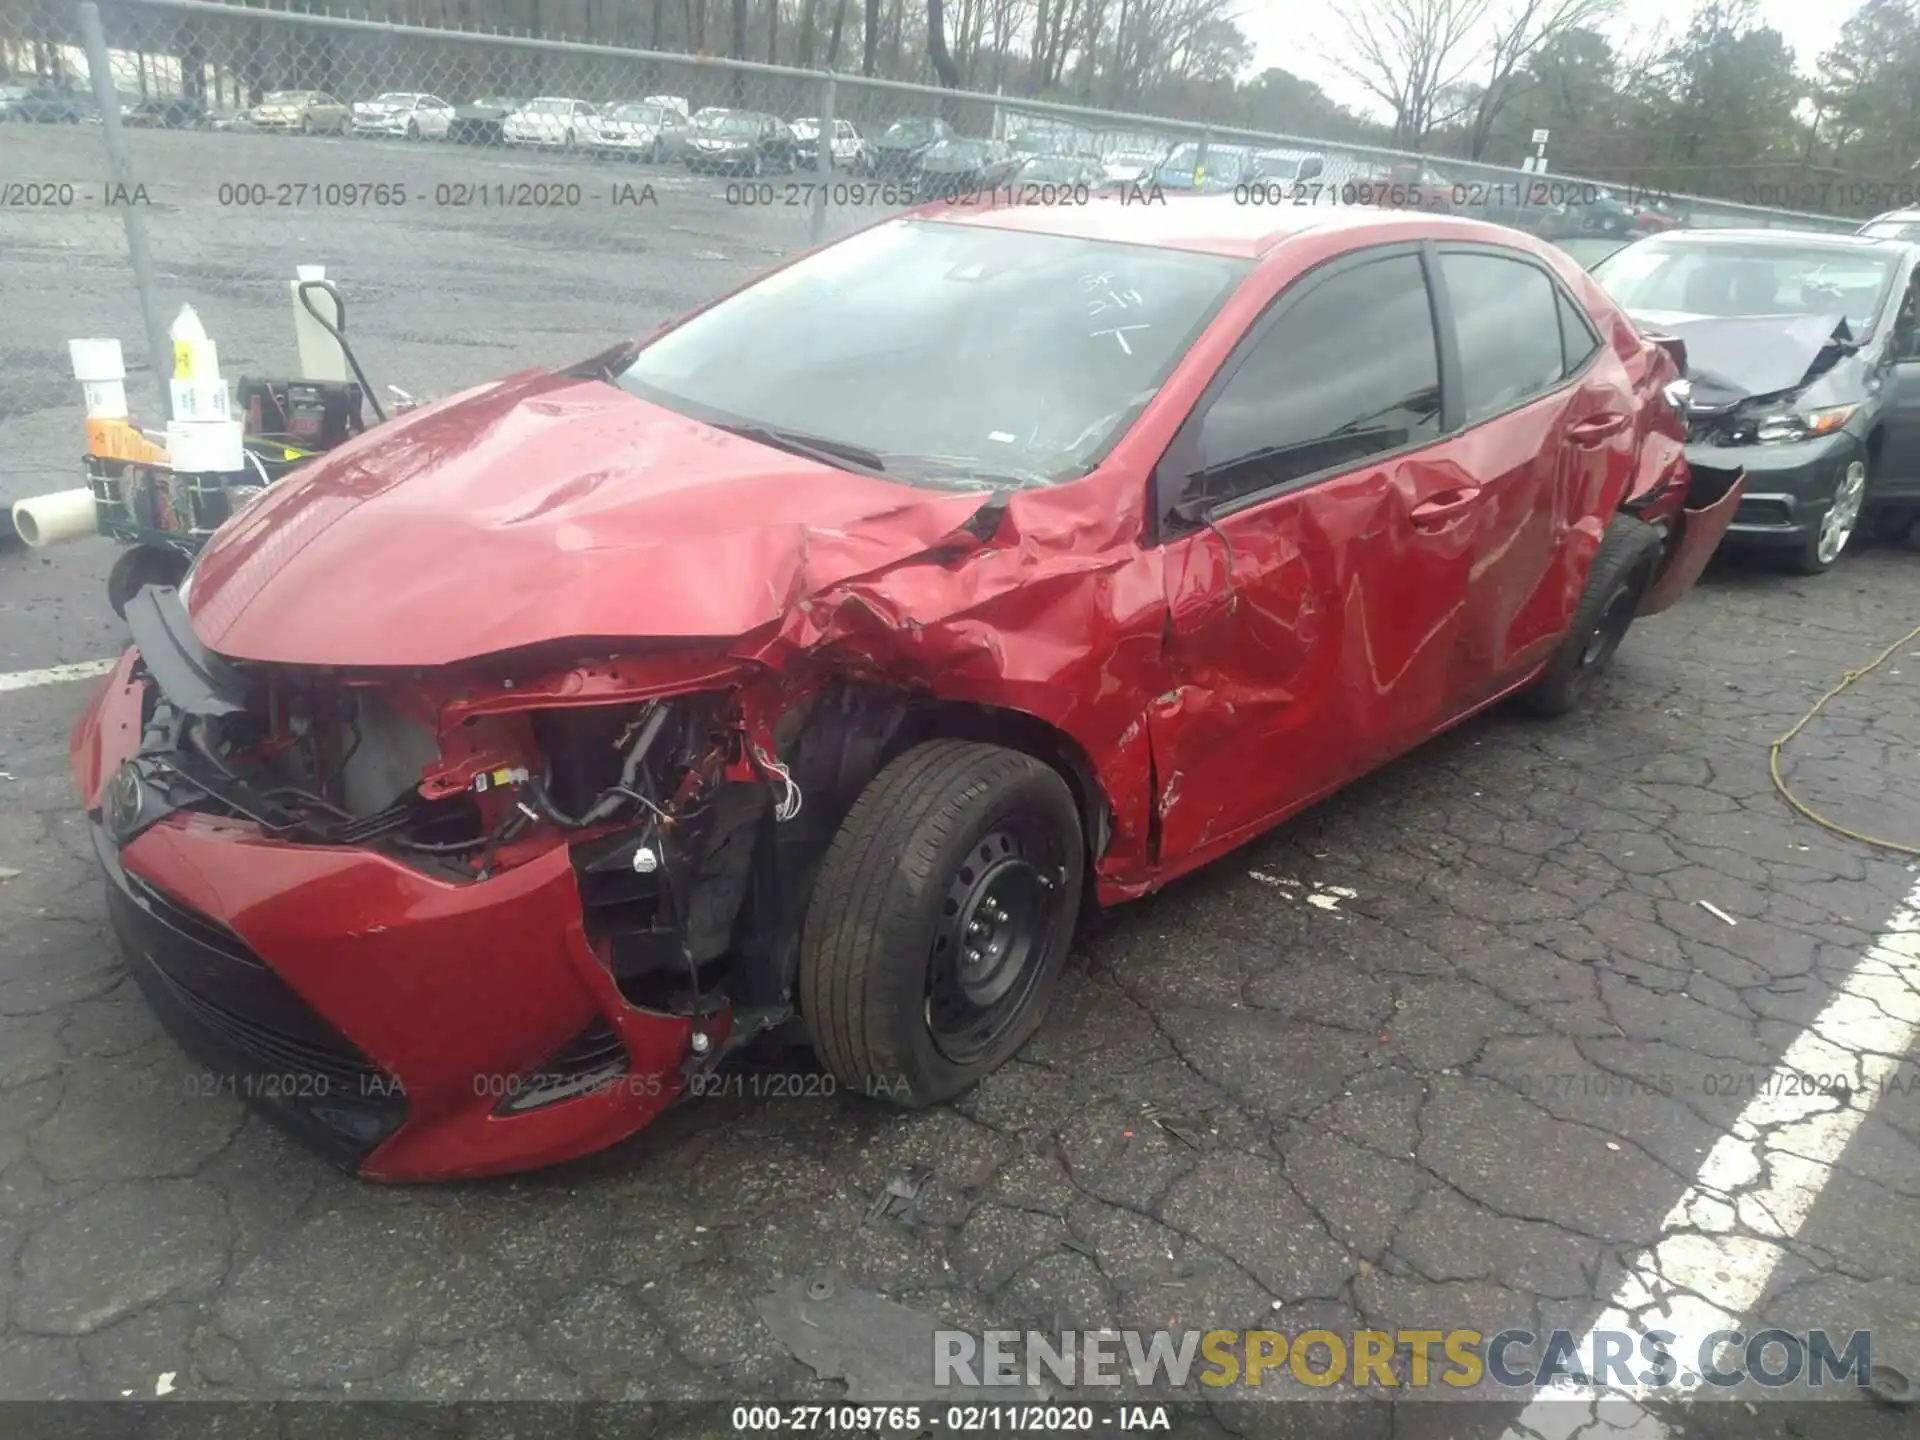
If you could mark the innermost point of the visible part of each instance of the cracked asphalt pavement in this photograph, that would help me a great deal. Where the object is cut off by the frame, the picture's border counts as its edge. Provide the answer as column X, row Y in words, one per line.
column 1442, row 1053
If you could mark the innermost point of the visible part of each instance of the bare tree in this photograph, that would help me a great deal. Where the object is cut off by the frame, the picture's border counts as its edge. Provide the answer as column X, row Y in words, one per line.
column 839, row 27
column 1526, row 27
column 871, row 39
column 937, row 51
column 808, row 12
column 1409, row 54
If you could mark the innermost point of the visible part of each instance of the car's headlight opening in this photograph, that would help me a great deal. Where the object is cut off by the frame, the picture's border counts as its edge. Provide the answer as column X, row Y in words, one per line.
column 1787, row 424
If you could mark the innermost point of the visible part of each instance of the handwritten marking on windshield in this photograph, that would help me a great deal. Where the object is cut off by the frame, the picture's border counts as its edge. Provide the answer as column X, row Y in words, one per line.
column 1119, row 333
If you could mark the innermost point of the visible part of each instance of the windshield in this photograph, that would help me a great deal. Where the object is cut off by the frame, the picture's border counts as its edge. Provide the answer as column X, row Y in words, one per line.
column 550, row 107
column 1893, row 230
column 954, row 352
column 733, row 123
column 1185, row 157
column 396, row 99
column 288, row 97
column 636, row 114
column 1691, row 281
column 916, row 131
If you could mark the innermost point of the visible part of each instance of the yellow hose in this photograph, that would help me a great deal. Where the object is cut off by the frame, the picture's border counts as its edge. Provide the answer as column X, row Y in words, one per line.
column 1773, row 756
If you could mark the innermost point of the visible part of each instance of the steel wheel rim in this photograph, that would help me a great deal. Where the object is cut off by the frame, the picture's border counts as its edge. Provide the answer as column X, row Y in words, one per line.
column 991, row 946
column 1836, row 527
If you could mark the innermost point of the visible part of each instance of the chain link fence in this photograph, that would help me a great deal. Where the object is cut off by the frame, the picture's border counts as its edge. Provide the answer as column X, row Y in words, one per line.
column 488, row 201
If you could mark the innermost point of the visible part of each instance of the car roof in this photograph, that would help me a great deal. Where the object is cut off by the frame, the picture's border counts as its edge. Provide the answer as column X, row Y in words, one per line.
column 1785, row 239
column 1220, row 225
column 1895, row 217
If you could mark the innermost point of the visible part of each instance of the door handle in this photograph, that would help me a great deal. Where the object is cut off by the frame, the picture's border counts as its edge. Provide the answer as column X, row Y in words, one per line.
column 1596, row 428
column 1444, row 506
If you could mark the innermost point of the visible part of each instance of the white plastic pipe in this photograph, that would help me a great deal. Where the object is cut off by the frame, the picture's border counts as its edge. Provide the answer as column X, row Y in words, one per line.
column 49, row 519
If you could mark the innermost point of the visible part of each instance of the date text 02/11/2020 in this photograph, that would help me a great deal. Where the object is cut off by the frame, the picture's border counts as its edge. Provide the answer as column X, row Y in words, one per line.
column 446, row 195
column 1012, row 1419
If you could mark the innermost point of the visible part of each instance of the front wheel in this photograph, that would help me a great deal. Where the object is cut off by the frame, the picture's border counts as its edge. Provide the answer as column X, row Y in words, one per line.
column 1624, row 567
column 139, row 567
column 1822, row 548
column 940, row 920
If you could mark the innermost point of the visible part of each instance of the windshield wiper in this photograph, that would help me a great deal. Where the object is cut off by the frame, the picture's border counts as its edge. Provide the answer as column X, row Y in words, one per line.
column 837, row 453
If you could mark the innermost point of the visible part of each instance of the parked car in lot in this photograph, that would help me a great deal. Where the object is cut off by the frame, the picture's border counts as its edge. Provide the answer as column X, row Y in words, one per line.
column 165, row 113
column 1075, row 171
column 52, row 104
column 1127, row 168
column 411, row 115
column 850, row 151
column 860, row 659
column 1407, row 186
column 960, row 166
column 677, row 103
column 482, row 121
column 1894, row 225
column 1598, row 212
column 641, row 132
column 1285, row 167
column 740, row 142
column 1802, row 368
column 898, row 151
column 1220, row 168
column 550, row 123
column 310, row 112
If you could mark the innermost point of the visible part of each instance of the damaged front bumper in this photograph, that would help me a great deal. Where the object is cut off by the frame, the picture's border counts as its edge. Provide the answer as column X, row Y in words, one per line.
column 1789, row 486
column 410, row 1018
column 1714, row 495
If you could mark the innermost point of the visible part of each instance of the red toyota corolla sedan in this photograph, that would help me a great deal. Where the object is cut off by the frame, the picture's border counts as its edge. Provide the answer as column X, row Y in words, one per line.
column 819, row 659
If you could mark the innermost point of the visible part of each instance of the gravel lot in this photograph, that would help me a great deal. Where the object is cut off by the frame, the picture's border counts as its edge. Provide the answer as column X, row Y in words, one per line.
column 1466, row 1094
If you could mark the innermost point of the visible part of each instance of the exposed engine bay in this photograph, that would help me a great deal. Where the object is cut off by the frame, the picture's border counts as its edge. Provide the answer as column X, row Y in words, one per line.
column 692, row 845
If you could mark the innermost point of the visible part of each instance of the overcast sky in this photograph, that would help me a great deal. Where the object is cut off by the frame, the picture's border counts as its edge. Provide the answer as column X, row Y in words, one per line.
column 1295, row 34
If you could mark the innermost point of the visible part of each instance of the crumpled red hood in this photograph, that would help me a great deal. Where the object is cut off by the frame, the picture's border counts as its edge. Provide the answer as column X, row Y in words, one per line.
column 543, row 508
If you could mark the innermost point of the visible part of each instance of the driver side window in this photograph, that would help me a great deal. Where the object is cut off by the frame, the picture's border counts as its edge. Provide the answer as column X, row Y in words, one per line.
column 1349, row 371
column 1906, row 324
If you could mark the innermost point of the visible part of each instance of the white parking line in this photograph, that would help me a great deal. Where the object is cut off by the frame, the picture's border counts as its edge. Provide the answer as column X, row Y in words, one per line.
column 1764, row 1176
column 55, row 675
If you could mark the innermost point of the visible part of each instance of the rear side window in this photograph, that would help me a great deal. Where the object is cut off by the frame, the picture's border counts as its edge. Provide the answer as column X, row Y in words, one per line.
column 1577, row 340
column 1349, row 371
column 1507, row 316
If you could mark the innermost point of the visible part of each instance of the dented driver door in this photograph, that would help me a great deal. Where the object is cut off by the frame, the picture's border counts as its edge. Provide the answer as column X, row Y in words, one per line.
column 1318, row 554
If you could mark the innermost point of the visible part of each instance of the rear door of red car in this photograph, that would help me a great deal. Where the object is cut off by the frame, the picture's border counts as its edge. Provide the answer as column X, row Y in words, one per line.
column 1549, row 434
column 1319, row 552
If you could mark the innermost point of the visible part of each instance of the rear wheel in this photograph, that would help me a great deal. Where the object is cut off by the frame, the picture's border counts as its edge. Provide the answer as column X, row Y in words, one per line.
column 940, row 920
column 413, row 129
column 1622, row 570
column 1821, row 549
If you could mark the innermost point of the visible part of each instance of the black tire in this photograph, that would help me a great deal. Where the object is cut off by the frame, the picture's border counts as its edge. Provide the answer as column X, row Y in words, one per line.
column 882, row 946
column 1811, row 556
column 413, row 129
column 1629, row 553
column 653, row 153
column 139, row 567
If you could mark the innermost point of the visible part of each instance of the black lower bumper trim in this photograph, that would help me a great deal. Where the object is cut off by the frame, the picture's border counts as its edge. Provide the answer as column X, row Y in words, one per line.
column 232, row 1014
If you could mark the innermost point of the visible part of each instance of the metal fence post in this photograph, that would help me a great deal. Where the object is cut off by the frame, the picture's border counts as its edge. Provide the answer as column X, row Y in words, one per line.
column 120, row 165
column 823, row 161
column 1200, row 160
